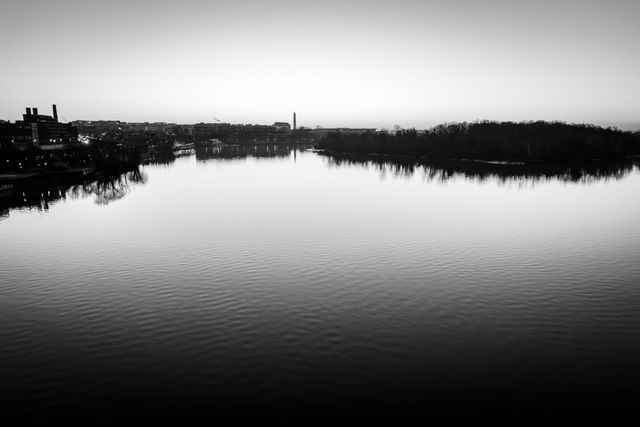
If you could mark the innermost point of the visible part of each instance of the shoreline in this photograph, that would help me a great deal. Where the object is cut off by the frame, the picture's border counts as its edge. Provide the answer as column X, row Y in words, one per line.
column 434, row 159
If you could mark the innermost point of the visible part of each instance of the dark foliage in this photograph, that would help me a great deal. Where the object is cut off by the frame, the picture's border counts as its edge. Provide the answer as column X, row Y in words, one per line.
column 111, row 159
column 499, row 141
column 442, row 170
column 41, row 193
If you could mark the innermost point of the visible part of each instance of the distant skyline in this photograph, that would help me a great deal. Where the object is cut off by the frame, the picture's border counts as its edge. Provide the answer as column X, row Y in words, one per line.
column 336, row 63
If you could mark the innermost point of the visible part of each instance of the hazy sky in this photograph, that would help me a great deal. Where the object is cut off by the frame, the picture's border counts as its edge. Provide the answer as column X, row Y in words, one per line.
column 337, row 63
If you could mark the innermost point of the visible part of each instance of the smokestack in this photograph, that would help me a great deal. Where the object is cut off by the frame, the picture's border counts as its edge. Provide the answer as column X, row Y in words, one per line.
column 55, row 113
column 28, row 111
column 294, row 121
column 35, row 111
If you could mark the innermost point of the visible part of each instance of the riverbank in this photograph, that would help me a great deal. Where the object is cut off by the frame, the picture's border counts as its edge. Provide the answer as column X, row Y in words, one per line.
column 71, row 161
column 525, row 142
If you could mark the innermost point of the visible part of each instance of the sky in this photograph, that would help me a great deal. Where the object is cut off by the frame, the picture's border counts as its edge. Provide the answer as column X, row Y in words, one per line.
column 414, row 63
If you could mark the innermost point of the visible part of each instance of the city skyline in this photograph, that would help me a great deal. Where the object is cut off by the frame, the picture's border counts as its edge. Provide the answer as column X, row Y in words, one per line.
column 356, row 64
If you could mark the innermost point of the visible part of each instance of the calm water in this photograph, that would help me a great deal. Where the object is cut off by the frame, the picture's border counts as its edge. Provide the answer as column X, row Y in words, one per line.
column 305, row 286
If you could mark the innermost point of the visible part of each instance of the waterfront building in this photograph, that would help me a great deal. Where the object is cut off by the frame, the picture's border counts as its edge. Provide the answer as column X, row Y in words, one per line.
column 15, row 134
column 38, row 130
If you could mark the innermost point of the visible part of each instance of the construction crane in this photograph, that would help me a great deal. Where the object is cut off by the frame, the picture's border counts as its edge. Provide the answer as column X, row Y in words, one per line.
column 217, row 119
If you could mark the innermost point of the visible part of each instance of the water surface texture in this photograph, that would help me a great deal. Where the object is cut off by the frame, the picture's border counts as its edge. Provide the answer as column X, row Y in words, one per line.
column 298, row 284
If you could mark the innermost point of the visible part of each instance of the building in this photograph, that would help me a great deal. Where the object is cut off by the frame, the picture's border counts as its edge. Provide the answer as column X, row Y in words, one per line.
column 324, row 131
column 187, row 131
column 38, row 130
column 16, row 134
column 282, row 127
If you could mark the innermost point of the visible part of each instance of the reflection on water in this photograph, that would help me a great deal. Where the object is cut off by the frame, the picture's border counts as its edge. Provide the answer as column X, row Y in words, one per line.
column 40, row 195
column 108, row 190
column 204, row 153
column 164, row 156
column 304, row 284
column 444, row 170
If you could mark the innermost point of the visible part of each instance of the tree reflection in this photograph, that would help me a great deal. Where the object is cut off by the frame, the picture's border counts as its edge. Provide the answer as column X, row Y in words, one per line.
column 41, row 195
column 445, row 170
column 111, row 189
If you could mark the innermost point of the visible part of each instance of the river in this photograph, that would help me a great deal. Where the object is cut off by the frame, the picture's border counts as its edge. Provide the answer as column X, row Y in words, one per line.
column 289, row 283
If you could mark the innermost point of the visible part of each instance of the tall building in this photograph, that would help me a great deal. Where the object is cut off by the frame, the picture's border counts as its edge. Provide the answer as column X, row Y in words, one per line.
column 39, row 130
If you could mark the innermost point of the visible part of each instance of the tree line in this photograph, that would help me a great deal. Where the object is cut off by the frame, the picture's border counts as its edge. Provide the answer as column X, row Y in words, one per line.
column 538, row 141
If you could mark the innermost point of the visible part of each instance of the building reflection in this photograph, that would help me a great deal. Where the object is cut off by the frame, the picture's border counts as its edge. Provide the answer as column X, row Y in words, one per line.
column 230, row 151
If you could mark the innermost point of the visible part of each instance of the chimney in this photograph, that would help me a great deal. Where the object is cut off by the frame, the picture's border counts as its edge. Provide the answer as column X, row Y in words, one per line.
column 28, row 111
column 294, row 121
column 35, row 111
column 55, row 113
